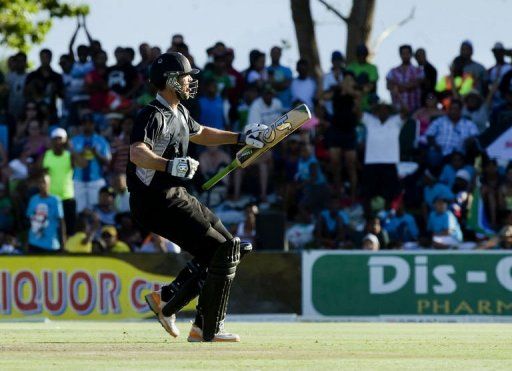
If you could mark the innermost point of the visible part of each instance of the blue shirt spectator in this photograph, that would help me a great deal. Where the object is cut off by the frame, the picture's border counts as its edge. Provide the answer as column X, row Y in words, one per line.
column 431, row 192
column 212, row 112
column 402, row 227
column 304, row 170
column 87, row 145
column 280, row 77
column 441, row 221
column 45, row 214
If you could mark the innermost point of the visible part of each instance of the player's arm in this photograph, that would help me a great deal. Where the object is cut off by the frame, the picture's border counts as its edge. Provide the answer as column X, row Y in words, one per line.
column 214, row 137
column 142, row 156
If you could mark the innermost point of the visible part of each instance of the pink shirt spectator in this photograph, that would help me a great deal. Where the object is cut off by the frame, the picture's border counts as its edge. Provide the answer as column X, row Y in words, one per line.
column 410, row 97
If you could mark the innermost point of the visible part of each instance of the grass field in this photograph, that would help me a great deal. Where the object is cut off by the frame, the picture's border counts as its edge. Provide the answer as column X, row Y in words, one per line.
column 326, row 346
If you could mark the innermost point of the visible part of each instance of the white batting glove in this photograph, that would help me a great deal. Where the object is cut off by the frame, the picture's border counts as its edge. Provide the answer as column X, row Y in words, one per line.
column 182, row 167
column 253, row 135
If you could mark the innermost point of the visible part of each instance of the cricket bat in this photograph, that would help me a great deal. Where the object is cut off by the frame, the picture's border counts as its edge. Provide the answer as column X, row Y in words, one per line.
column 277, row 131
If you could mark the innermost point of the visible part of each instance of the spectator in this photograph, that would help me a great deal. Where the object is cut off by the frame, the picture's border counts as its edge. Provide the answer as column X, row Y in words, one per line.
column 34, row 142
column 443, row 226
column 105, row 209
column 256, row 73
column 6, row 210
column 212, row 159
column 212, row 106
column 303, row 87
column 110, row 242
column 502, row 115
column 341, row 136
column 122, row 195
column 428, row 112
column 382, row 153
column 58, row 162
column 16, row 83
column 457, row 84
column 91, row 152
column 451, row 132
column 96, row 83
column 370, row 242
column 457, row 162
column 121, row 146
column 219, row 75
column 497, row 72
column 504, row 238
column 300, row 235
column 332, row 79
column 145, row 60
column 429, row 71
column 404, row 82
column 401, row 227
column 123, row 78
column 44, row 84
column 235, row 93
column 47, row 228
column 81, row 241
column 157, row 244
column 246, row 230
column 280, row 77
column 505, row 192
column 311, row 181
column 477, row 109
column 490, row 181
column 366, row 75
column 330, row 227
column 433, row 190
column 373, row 226
column 476, row 69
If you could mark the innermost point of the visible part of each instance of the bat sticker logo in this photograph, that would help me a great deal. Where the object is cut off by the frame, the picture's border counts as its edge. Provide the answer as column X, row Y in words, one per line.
column 281, row 125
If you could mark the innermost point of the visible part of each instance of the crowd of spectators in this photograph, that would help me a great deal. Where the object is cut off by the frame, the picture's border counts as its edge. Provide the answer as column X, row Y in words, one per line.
column 362, row 173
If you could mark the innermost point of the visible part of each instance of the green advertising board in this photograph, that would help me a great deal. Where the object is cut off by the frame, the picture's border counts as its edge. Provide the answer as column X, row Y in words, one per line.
column 406, row 284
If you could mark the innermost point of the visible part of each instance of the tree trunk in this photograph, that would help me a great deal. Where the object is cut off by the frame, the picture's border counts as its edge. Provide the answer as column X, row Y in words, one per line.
column 359, row 26
column 305, row 31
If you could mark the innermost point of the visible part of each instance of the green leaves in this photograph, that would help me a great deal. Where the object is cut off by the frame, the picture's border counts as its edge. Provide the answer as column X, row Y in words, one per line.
column 26, row 22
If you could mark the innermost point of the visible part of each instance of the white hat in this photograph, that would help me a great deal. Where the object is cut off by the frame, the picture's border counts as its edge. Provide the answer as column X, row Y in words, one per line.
column 463, row 174
column 59, row 133
column 373, row 239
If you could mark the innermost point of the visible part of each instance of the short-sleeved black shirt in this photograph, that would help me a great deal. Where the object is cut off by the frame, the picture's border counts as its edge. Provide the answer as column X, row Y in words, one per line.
column 167, row 134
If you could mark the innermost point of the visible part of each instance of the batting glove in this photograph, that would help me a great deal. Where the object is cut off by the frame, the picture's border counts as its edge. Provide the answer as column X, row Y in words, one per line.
column 182, row 167
column 253, row 135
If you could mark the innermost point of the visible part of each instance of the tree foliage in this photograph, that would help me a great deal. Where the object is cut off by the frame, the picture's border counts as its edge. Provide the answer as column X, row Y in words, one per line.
column 26, row 22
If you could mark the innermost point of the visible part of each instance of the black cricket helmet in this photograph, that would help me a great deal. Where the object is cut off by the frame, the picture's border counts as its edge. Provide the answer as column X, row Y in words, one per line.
column 166, row 71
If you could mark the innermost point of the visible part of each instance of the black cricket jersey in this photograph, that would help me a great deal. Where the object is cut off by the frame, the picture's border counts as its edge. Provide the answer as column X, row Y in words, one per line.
column 167, row 134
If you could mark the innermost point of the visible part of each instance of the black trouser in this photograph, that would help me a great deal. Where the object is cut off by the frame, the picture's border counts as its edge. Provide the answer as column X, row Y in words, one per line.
column 69, row 207
column 182, row 219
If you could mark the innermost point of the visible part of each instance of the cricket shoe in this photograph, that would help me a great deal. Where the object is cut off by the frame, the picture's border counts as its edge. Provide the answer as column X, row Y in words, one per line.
column 156, row 304
column 196, row 335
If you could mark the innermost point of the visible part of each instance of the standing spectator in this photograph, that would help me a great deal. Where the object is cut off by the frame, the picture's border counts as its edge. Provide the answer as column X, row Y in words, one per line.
column 451, row 132
column 91, row 152
column 502, row 115
column 219, row 74
column 234, row 94
column 44, row 83
column 457, row 84
column 404, row 82
column 427, row 113
column 123, row 78
column 366, row 75
column 428, row 84
column 16, row 83
column 477, row 70
column 303, row 86
column 121, row 146
column 57, row 161
column 280, row 77
column 382, row 153
column 444, row 226
column 332, row 79
column 341, row 137
column 256, row 73
column 96, row 83
column 497, row 71
column 212, row 106
column 145, row 60
column 47, row 228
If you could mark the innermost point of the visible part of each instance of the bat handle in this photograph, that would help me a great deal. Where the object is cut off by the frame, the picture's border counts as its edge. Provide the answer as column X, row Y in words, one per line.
column 221, row 174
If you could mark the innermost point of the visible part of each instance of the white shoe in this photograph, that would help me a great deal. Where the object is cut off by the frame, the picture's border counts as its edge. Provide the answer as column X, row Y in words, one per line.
column 156, row 304
column 196, row 335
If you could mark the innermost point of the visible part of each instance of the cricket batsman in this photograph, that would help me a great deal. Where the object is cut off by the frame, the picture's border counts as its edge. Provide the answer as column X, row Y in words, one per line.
column 157, row 173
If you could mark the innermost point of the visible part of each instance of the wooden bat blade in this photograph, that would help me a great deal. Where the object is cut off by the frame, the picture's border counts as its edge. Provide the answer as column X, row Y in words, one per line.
column 278, row 130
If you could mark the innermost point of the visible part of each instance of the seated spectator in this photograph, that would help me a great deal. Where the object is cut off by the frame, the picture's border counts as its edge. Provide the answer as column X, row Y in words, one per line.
column 451, row 132
column 110, row 242
column 303, row 87
column 428, row 112
column 330, row 226
column 122, row 196
column 505, row 192
column 404, row 82
column 457, row 162
column 58, row 162
column 211, row 105
column 374, row 227
column 311, row 181
column 401, row 227
column 504, row 238
column 246, row 230
column 366, row 75
column 477, row 109
column 502, row 115
column 300, row 234
column 157, row 244
column 81, row 241
column 443, row 225
column 35, row 142
column 91, row 152
column 370, row 242
column 6, row 210
column 105, row 208
column 490, row 181
column 434, row 190
column 462, row 190
column 47, row 229
column 9, row 245
column 127, row 231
